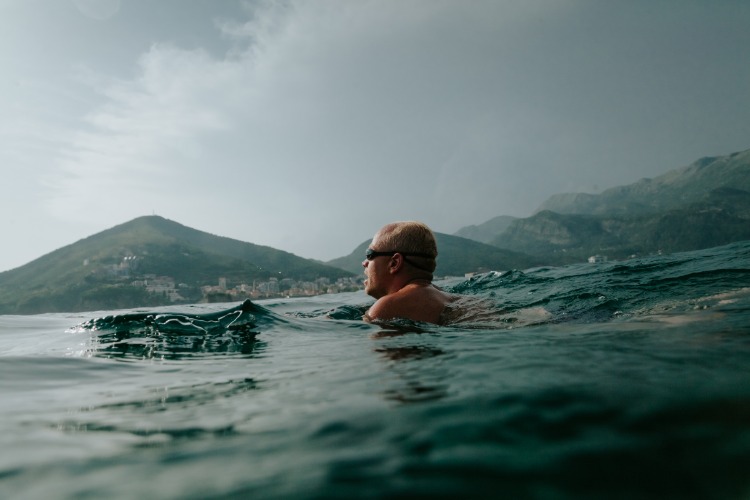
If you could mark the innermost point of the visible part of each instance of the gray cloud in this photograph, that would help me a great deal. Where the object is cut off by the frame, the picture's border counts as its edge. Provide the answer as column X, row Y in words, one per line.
column 307, row 125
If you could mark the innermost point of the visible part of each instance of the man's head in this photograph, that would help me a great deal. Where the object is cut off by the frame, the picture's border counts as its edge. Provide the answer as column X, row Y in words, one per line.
column 400, row 252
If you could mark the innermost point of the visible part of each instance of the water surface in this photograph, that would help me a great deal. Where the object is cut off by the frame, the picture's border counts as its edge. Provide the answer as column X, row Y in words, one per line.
column 617, row 380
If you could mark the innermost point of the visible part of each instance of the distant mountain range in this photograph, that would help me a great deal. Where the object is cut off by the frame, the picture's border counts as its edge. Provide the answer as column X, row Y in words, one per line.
column 702, row 205
column 674, row 190
column 154, row 261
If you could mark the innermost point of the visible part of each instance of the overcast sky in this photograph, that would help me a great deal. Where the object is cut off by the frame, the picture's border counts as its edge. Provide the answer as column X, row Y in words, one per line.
column 306, row 125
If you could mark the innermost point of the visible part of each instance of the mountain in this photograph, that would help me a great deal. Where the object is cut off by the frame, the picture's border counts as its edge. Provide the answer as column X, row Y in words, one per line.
column 486, row 231
column 675, row 189
column 722, row 216
column 121, row 267
column 456, row 257
column 698, row 206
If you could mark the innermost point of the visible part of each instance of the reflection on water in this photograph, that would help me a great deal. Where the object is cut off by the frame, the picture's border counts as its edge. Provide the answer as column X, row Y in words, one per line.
column 414, row 379
column 409, row 352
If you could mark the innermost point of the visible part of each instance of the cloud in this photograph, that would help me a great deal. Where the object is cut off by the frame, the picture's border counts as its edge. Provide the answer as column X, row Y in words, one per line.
column 98, row 9
column 327, row 119
column 143, row 135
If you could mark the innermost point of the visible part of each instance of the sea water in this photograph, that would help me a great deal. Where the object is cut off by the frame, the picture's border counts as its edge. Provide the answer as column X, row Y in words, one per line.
column 625, row 379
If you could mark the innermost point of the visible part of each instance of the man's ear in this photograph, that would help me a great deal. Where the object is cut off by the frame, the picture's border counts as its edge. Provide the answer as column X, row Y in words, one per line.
column 396, row 263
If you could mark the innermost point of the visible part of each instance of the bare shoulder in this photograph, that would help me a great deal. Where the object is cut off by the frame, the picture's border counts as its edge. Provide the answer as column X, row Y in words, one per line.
column 384, row 308
column 421, row 304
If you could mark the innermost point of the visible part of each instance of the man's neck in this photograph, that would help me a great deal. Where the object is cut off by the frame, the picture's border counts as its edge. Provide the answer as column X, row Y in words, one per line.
column 417, row 282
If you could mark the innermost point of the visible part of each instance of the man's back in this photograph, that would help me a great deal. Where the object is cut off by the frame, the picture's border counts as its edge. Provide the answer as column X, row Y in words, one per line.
column 418, row 302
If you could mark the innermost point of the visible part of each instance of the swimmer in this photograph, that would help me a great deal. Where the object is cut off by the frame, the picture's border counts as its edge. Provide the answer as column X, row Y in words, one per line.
column 399, row 264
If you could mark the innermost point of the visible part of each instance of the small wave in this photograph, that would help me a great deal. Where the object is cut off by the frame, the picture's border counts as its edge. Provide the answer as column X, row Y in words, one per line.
column 587, row 293
column 175, row 335
column 242, row 317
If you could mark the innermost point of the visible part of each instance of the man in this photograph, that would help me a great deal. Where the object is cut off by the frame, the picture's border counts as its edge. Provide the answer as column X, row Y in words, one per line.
column 399, row 264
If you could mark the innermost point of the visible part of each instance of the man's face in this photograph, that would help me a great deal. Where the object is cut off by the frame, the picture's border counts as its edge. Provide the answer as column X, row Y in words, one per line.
column 376, row 272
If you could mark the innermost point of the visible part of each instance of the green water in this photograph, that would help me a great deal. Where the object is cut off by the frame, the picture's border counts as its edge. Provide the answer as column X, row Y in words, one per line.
column 619, row 380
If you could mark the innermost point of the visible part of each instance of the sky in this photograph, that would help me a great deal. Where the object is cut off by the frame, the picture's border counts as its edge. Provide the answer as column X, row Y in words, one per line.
column 307, row 125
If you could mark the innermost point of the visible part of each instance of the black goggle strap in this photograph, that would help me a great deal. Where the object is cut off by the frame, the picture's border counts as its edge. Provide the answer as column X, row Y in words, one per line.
column 371, row 254
column 417, row 265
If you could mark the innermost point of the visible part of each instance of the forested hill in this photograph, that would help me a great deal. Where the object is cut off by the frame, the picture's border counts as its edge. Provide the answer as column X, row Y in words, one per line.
column 98, row 272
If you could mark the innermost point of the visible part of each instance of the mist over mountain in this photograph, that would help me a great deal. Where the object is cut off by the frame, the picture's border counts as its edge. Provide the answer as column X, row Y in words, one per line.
column 487, row 231
column 702, row 205
column 673, row 190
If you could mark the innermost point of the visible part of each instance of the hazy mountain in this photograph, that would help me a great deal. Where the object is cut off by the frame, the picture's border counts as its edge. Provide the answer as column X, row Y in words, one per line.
column 96, row 272
column 487, row 231
column 457, row 256
column 720, row 217
column 701, row 205
column 675, row 189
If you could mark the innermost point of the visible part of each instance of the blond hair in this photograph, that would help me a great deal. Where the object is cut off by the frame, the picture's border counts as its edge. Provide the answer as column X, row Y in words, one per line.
column 410, row 237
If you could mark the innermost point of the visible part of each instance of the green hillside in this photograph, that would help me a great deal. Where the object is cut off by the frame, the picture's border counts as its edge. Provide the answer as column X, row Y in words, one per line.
column 457, row 256
column 98, row 272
